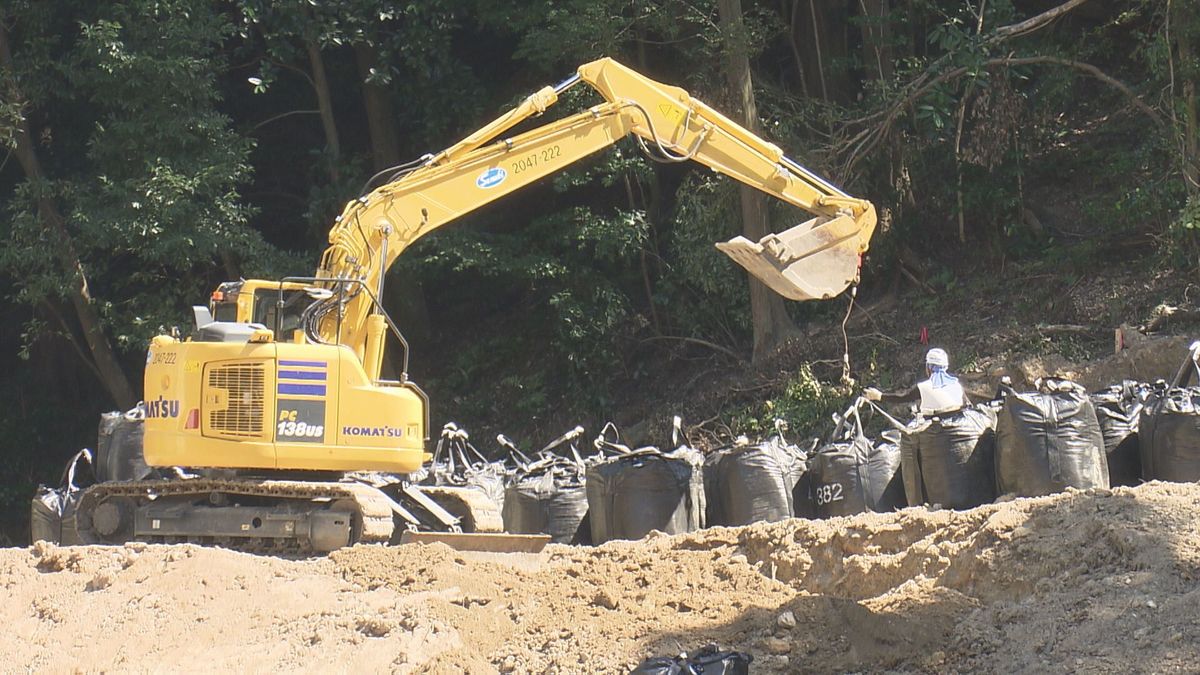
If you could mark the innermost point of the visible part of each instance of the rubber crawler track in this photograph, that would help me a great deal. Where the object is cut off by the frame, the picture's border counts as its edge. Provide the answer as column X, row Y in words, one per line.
column 374, row 510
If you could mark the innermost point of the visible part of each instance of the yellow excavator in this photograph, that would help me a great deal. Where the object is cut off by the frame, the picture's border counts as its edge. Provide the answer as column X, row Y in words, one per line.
column 275, row 405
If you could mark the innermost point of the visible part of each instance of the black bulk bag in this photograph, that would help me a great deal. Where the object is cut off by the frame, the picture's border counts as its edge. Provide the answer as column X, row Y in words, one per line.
column 630, row 495
column 45, row 515
column 851, row 474
column 546, row 498
column 949, row 459
column 1169, row 426
column 119, row 446
column 52, row 510
column 1169, row 435
column 748, row 483
column 1048, row 441
column 1117, row 409
column 803, row 504
column 456, row 463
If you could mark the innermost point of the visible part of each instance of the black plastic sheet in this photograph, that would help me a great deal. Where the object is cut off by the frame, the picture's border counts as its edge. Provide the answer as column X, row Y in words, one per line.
column 949, row 459
column 706, row 661
column 1049, row 441
column 853, row 474
column 551, row 500
column 1169, row 431
column 489, row 479
column 46, row 514
column 751, row 483
column 1118, row 409
column 631, row 495
column 52, row 510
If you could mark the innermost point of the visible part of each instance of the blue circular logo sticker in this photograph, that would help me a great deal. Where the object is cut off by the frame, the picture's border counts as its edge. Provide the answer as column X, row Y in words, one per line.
column 491, row 178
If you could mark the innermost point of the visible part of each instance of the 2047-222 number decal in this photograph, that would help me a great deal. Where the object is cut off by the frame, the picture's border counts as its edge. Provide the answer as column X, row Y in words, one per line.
column 166, row 358
column 536, row 158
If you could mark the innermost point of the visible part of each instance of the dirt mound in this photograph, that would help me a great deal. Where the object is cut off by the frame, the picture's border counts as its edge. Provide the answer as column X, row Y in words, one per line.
column 1085, row 581
column 142, row 607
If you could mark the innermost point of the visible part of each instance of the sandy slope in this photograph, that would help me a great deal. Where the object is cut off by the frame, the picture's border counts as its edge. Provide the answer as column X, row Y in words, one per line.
column 1081, row 582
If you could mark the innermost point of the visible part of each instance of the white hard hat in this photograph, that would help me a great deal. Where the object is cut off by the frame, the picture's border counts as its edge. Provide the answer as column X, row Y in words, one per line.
column 937, row 357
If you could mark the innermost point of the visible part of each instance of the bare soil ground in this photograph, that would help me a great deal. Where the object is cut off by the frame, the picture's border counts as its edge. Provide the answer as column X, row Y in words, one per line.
column 1098, row 581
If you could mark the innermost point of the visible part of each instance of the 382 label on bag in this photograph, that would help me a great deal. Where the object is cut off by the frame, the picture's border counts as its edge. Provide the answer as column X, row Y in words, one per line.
column 829, row 493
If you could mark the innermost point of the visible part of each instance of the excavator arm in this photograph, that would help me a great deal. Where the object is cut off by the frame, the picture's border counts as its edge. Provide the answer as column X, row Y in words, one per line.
column 816, row 259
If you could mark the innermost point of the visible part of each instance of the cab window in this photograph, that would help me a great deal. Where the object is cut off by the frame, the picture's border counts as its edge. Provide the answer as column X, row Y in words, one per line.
column 294, row 304
column 225, row 310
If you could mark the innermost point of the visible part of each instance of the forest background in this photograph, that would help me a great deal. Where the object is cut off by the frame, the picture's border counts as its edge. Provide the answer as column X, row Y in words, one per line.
column 154, row 148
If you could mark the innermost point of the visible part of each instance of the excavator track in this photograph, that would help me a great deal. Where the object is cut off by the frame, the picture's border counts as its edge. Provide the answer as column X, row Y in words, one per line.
column 370, row 509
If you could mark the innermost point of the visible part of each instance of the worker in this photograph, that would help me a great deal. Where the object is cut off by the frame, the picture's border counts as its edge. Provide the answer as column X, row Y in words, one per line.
column 940, row 392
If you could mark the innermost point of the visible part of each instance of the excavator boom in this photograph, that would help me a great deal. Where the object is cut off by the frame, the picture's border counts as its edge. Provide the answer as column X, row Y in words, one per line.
column 814, row 260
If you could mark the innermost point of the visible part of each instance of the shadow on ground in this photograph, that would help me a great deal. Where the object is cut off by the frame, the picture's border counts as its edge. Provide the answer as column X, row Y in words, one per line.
column 1082, row 582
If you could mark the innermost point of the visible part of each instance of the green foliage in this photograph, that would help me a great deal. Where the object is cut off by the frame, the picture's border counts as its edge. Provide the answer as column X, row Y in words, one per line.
column 555, row 33
column 806, row 404
column 577, row 263
column 412, row 44
column 1182, row 243
column 706, row 296
column 151, row 207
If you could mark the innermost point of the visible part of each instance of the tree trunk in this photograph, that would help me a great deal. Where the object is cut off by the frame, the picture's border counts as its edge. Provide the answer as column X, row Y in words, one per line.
column 385, row 147
column 104, row 359
column 333, row 145
column 835, row 27
column 819, row 41
column 877, row 39
column 813, row 51
column 650, row 194
column 792, row 10
column 412, row 309
column 233, row 268
column 772, row 325
column 1184, row 35
column 1191, row 167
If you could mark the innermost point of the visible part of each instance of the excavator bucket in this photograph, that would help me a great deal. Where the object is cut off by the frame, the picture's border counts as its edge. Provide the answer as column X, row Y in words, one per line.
column 814, row 260
column 523, row 551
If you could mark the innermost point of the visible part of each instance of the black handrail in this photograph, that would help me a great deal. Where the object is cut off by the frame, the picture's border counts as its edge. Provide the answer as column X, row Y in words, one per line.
column 404, row 381
column 340, row 290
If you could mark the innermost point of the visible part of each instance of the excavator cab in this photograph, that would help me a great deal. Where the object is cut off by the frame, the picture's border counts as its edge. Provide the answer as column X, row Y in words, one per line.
column 266, row 303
